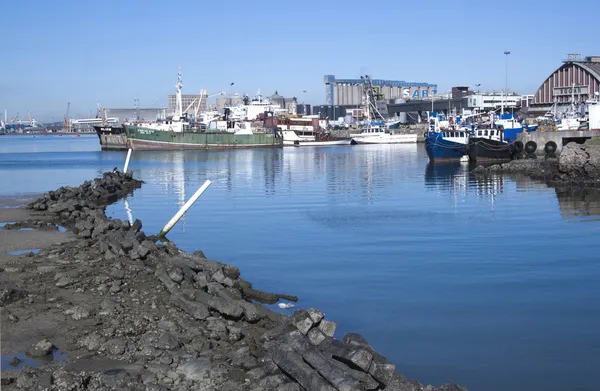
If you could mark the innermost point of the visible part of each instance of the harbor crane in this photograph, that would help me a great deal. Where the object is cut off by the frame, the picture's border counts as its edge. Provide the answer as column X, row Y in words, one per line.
column 197, row 102
column 66, row 124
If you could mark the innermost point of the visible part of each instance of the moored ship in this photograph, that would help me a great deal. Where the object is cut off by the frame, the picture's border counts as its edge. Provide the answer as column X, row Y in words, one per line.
column 176, row 132
column 445, row 144
column 489, row 145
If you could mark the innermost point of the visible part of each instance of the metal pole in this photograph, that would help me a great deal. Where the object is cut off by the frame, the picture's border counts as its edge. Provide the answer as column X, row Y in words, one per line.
column 127, row 161
column 506, row 53
column 184, row 209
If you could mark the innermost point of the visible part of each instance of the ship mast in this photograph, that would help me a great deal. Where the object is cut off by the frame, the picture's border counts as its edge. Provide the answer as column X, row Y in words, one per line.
column 179, row 108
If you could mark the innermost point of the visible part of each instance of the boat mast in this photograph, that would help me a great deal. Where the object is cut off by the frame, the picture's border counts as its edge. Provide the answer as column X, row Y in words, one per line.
column 179, row 107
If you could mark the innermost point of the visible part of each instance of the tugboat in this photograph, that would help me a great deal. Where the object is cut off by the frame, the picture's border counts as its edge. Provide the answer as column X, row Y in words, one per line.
column 443, row 143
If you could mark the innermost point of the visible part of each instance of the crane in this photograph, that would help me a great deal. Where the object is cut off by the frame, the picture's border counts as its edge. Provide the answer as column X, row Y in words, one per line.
column 13, row 119
column 66, row 124
column 197, row 102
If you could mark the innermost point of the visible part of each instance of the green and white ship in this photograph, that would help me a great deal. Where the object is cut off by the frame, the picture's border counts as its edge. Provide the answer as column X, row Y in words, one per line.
column 176, row 132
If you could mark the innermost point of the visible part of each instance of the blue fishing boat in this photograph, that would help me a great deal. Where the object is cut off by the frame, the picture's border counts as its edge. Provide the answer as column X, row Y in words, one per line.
column 444, row 142
column 511, row 126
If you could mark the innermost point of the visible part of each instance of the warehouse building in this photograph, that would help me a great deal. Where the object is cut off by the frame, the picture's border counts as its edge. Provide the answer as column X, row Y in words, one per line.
column 349, row 92
column 575, row 81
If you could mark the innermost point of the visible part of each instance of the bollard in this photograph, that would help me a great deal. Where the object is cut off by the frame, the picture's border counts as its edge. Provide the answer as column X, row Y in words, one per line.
column 184, row 209
column 127, row 161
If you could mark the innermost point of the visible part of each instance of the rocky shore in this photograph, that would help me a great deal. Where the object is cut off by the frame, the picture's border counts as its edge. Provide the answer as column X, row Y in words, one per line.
column 132, row 312
column 577, row 165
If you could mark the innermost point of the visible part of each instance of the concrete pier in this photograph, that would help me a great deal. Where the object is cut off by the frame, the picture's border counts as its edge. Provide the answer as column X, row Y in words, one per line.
column 561, row 138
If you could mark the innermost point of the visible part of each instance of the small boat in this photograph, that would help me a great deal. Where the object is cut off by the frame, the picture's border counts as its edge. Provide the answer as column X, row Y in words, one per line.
column 313, row 139
column 444, row 143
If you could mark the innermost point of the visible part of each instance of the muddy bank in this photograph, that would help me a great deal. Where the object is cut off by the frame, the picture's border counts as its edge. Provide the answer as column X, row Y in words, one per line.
column 132, row 312
column 577, row 165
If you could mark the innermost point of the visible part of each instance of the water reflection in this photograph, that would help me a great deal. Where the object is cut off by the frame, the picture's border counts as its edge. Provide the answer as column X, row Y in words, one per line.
column 335, row 172
column 456, row 178
column 577, row 202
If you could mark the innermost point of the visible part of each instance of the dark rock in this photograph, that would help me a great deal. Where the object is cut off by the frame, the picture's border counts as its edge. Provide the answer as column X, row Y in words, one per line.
column 266, row 298
column 359, row 357
column 327, row 327
column 166, row 280
column 334, row 375
column 195, row 310
column 116, row 346
column 316, row 336
column 15, row 361
column 303, row 321
column 176, row 275
column 9, row 295
column 292, row 363
column 226, row 307
column 168, row 341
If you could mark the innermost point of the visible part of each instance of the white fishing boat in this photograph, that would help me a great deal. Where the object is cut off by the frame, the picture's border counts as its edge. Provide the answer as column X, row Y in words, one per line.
column 382, row 136
column 306, row 131
column 377, row 132
column 293, row 139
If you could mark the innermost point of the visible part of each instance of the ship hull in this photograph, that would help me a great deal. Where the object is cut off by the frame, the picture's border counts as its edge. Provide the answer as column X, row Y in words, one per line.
column 140, row 138
column 439, row 149
column 386, row 138
column 298, row 143
column 111, row 137
column 483, row 149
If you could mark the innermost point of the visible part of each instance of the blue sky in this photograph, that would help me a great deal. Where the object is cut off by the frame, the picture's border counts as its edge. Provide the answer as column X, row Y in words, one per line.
column 109, row 52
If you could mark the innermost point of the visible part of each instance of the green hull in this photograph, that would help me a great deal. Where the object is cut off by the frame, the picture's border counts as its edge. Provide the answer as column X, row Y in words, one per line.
column 142, row 138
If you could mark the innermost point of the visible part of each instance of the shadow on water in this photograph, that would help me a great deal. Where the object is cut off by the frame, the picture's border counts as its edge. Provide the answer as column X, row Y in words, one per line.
column 21, row 359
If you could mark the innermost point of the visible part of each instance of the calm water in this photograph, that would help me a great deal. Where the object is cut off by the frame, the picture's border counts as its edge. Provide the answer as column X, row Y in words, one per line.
column 492, row 284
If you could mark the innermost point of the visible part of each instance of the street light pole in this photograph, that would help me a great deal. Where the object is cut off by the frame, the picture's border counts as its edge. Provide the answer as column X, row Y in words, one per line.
column 506, row 53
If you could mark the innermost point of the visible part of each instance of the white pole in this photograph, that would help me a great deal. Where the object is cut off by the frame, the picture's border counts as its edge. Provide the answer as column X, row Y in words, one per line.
column 184, row 209
column 127, row 161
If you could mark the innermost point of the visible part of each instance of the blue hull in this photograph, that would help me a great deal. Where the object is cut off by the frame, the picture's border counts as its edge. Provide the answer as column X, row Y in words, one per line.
column 511, row 133
column 439, row 149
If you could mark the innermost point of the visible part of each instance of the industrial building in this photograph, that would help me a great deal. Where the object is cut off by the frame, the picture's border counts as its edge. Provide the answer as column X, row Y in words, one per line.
column 575, row 81
column 186, row 101
column 290, row 104
column 349, row 92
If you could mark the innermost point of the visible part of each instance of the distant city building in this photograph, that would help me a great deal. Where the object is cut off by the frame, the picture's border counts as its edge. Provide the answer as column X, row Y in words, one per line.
column 575, row 81
column 303, row 109
column 494, row 101
column 342, row 92
column 186, row 100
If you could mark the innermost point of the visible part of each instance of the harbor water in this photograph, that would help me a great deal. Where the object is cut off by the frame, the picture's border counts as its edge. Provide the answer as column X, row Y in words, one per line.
column 488, row 283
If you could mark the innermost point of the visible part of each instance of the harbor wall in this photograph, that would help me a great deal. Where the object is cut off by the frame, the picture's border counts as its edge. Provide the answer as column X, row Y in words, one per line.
column 561, row 138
